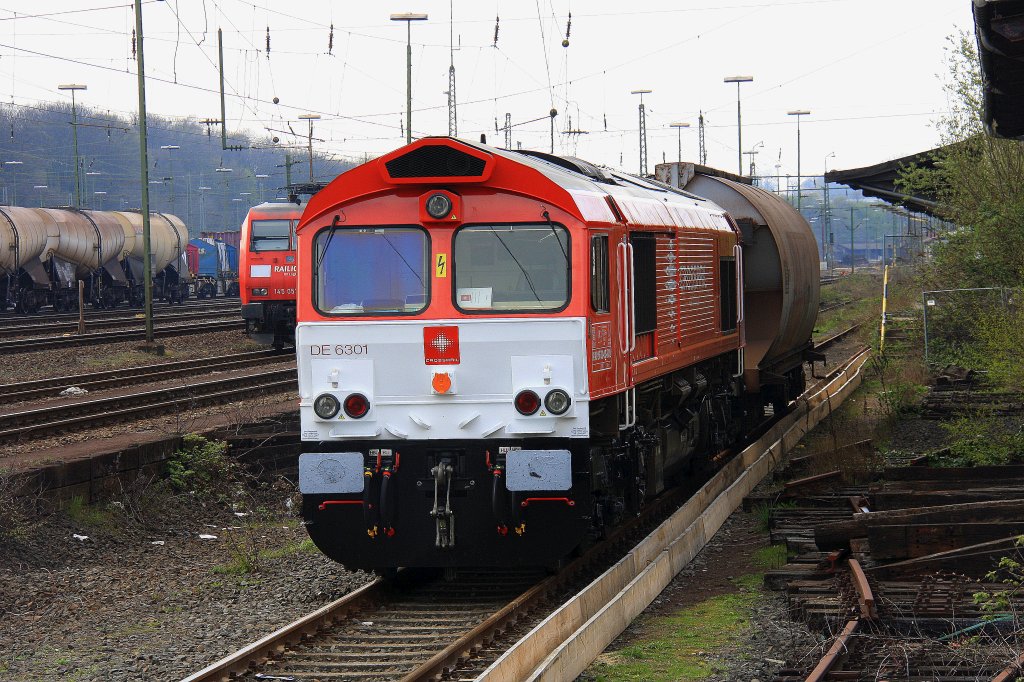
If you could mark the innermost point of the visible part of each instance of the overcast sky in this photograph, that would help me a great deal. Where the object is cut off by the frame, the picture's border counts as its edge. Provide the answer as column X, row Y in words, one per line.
column 870, row 71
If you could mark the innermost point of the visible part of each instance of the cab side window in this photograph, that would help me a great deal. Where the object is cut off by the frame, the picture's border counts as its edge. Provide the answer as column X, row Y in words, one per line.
column 599, row 296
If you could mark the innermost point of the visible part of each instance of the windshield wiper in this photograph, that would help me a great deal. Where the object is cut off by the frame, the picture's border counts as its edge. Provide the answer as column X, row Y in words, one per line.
column 547, row 217
column 521, row 268
column 327, row 243
column 415, row 274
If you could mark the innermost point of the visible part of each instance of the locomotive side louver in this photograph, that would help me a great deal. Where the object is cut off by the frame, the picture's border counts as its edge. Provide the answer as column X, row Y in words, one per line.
column 431, row 161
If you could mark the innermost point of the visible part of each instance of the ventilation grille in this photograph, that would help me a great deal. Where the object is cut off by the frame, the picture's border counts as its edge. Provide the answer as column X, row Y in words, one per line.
column 435, row 161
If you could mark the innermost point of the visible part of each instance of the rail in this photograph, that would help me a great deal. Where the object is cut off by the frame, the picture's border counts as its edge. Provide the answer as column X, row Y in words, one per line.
column 565, row 643
column 667, row 547
column 58, row 418
column 94, row 381
column 45, row 343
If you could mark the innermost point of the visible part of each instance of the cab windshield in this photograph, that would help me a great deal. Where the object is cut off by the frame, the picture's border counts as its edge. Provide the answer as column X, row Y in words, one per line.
column 372, row 271
column 272, row 235
column 511, row 268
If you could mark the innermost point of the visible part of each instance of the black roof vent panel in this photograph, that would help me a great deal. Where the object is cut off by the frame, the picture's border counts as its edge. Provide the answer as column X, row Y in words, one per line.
column 436, row 161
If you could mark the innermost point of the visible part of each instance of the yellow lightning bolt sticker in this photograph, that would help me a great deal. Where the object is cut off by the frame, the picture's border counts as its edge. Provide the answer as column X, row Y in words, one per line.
column 441, row 265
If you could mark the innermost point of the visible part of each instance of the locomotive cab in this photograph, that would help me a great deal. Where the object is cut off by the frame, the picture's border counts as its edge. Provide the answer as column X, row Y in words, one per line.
column 268, row 271
column 501, row 355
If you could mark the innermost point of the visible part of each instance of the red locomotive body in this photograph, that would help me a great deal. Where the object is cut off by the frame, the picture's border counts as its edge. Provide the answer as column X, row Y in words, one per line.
column 268, row 272
column 527, row 343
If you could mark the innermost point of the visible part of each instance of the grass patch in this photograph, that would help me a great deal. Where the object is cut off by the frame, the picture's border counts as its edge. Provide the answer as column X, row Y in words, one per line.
column 675, row 647
column 244, row 562
column 773, row 556
column 84, row 514
column 763, row 513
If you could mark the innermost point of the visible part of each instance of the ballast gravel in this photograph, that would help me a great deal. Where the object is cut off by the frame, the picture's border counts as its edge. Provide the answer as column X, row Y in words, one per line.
column 124, row 601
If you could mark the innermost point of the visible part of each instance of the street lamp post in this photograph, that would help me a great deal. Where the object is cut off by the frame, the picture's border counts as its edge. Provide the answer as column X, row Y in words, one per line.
column 74, row 133
column 738, row 80
column 170, row 169
column 261, row 177
column 408, row 18
column 643, row 130
column 14, row 182
column 798, row 113
column 202, row 207
column 40, row 188
column 100, row 195
column 91, row 174
column 679, row 138
column 310, row 118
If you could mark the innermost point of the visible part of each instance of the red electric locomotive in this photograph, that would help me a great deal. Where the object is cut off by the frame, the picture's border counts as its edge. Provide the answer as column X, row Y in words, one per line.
column 501, row 354
column 267, row 272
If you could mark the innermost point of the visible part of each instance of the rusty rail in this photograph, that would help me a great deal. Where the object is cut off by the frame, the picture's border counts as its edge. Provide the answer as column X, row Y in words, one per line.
column 865, row 597
column 839, row 646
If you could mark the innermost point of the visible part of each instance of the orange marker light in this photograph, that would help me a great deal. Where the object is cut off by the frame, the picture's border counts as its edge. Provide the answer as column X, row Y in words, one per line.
column 441, row 382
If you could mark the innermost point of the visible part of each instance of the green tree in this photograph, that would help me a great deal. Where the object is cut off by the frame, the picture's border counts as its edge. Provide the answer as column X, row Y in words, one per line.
column 979, row 182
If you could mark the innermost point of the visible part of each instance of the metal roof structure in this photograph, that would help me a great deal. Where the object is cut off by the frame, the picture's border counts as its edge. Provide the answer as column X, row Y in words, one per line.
column 879, row 181
column 999, row 26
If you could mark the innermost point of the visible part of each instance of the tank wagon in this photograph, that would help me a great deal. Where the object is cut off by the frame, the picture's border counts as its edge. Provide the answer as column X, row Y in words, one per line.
column 503, row 354
column 44, row 252
column 267, row 272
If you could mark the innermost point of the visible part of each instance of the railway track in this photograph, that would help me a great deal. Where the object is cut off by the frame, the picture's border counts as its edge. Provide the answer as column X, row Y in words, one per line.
column 835, row 337
column 421, row 624
column 916, row 619
column 340, row 640
column 71, row 326
column 70, row 340
column 158, row 306
column 129, row 376
column 80, row 414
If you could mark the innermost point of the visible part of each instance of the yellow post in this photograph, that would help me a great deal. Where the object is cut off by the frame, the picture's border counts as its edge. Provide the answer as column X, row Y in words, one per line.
column 885, row 300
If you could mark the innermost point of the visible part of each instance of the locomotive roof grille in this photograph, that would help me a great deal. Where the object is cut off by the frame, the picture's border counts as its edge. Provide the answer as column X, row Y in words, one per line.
column 436, row 161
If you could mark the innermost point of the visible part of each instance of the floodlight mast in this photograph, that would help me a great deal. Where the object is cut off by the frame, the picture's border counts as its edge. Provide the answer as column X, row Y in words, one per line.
column 643, row 130
column 739, row 80
column 798, row 113
column 408, row 18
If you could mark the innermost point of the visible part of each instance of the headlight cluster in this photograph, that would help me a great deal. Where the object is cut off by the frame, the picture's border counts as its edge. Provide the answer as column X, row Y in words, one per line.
column 556, row 402
column 327, row 406
column 262, row 291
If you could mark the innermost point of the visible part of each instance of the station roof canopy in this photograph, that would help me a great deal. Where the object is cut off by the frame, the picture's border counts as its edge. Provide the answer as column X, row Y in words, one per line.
column 999, row 25
column 879, row 181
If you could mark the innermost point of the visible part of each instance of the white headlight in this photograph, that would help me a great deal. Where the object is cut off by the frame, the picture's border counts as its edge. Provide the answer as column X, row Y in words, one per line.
column 557, row 401
column 326, row 406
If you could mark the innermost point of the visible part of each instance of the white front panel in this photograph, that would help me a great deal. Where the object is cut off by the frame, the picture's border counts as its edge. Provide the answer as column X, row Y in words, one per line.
column 384, row 361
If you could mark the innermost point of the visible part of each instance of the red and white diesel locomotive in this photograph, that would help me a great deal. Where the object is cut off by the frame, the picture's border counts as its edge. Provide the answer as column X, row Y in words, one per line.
column 267, row 272
column 501, row 353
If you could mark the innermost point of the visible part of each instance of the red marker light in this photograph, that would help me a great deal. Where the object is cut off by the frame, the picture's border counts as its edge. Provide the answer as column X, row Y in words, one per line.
column 356, row 405
column 527, row 403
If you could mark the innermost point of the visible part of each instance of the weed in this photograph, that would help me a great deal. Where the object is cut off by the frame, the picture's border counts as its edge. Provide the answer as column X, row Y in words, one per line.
column 82, row 513
column 200, row 466
column 773, row 556
column 901, row 382
column 17, row 512
column 980, row 440
column 764, row 512
column 247, row 558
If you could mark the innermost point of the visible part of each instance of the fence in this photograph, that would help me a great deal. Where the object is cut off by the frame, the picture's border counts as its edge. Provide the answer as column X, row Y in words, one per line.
column 956, row 321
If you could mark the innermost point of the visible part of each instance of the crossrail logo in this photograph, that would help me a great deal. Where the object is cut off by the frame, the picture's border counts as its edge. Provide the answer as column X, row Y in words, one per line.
column 441, row 346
